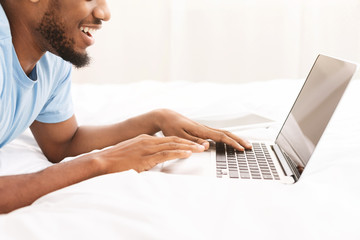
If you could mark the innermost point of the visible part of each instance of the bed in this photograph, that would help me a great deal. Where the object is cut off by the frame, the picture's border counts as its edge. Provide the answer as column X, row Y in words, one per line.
column 324, row 204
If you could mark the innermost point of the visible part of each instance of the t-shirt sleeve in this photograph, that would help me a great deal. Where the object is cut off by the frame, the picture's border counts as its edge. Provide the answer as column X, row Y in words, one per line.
column 59, row 107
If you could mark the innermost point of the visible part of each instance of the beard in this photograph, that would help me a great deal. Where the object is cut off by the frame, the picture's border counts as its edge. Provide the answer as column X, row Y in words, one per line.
column 52, row 30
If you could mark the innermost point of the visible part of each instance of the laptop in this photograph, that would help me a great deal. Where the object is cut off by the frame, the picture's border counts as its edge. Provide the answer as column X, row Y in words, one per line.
column 284, row 159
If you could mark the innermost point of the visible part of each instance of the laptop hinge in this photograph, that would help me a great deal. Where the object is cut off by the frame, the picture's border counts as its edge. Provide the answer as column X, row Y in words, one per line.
column 289, row 167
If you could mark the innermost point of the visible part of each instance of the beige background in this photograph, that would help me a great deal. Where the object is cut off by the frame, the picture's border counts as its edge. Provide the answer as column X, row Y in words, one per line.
column 220, row 40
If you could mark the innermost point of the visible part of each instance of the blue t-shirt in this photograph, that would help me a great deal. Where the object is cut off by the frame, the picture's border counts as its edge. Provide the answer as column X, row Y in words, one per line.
column 44, row 95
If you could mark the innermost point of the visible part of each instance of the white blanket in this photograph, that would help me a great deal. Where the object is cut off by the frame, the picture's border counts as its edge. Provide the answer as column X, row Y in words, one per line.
column 324, row 204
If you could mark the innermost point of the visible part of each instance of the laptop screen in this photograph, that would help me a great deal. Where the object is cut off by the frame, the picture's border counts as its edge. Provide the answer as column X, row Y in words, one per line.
column 314, row 107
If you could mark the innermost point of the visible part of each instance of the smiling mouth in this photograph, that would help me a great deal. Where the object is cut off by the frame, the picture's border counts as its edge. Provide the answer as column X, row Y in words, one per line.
column 88, row 31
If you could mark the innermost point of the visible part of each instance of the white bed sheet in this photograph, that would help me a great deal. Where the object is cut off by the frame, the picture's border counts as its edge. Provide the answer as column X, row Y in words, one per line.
column 324, row 204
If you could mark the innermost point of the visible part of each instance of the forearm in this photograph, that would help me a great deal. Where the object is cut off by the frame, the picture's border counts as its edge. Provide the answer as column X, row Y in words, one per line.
column 88, row 138
column 22, row 190
column 140, row 153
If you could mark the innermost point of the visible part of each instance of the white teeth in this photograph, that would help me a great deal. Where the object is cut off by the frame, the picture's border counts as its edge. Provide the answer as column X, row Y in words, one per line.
column 88, row 30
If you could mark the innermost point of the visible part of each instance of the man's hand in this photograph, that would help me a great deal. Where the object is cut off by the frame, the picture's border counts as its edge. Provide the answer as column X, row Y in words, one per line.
column 132, row 149
column 174, row 124
column 140, row 153
column 64, row 139
column 144, row 152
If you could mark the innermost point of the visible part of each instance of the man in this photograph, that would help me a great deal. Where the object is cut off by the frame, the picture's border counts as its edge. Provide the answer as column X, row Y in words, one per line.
column 38, row 39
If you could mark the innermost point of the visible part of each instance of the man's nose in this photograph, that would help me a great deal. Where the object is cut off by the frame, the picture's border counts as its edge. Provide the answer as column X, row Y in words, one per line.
column 102, row 11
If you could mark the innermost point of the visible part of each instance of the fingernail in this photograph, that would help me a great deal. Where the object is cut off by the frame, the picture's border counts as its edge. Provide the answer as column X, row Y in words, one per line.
column 201, row 147
column 241, row 148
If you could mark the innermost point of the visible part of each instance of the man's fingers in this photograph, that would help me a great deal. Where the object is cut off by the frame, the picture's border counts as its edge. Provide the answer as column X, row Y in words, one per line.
column 180, row 146
column 238, row 139
column 228, row 138
column 164, row 156
column 174, row 139
column 151, row 145
column 177, row 143
column 222, row 137
column 198, row 140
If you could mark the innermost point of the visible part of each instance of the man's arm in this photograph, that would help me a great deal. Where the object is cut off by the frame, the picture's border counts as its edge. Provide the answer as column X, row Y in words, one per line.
column 64, row 139
column 140, row 153
column 22, row 190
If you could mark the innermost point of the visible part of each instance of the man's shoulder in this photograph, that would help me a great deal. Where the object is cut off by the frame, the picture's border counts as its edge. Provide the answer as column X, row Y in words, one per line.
column 5, row 44
column 4, row 25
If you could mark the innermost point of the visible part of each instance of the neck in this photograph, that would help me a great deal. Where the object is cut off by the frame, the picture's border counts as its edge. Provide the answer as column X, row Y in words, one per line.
column 26, row 46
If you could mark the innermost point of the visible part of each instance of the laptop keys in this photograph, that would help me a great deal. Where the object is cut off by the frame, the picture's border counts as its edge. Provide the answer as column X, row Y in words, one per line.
column 249, row 164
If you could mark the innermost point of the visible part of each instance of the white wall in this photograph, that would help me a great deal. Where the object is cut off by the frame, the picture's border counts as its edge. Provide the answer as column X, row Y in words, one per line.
column 220, row 40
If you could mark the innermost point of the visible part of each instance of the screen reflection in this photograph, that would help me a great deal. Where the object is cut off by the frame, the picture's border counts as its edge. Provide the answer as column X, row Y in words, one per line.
column 314, row 107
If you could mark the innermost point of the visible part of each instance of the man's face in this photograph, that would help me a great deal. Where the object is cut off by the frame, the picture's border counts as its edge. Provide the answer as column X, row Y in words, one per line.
column 67, row 27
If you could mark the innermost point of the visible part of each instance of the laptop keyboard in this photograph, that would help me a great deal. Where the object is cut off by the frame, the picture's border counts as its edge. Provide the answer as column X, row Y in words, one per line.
column 249, row 164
